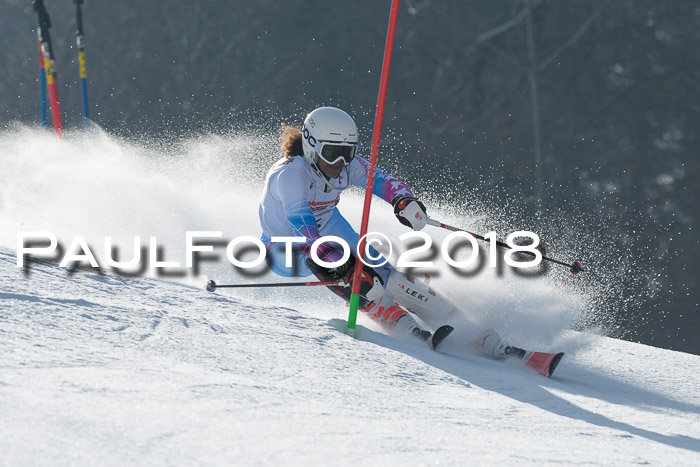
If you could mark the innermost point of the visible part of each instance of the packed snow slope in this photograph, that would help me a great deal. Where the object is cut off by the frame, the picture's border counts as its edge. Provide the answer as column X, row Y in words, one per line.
column 104, row 368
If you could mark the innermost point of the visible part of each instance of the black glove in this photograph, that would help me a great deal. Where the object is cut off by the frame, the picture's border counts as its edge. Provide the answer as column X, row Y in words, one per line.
column 368, row 279
column 410, row 212
column 343, row 272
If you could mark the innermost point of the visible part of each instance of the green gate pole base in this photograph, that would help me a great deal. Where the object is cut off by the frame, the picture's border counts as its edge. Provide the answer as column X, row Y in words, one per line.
column 352, row 317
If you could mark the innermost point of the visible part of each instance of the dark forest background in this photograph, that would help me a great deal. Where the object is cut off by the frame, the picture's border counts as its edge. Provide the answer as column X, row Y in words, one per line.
column 586, row 106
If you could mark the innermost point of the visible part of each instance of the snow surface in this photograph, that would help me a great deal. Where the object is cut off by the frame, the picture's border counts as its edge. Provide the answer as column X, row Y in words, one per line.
column 100, row 368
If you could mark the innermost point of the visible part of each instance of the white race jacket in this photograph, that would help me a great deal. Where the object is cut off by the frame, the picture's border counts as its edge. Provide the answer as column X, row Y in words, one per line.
column 298, row 200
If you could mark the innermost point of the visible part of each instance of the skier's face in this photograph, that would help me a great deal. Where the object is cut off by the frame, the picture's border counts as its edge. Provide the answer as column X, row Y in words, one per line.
column 331, row 171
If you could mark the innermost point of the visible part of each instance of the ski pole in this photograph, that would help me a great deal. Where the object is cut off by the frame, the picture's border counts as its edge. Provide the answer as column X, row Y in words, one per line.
column 575, row 268
column 48, row 57
column 212, row 286
column 80, row 36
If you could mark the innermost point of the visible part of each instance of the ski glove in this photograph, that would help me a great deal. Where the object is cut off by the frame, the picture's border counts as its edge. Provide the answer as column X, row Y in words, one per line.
column 371, row 285
column 343, row 272
column 410, row 212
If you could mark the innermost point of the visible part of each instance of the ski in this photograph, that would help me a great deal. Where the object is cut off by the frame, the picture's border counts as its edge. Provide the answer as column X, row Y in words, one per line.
column 439, row 336
column 543, row 363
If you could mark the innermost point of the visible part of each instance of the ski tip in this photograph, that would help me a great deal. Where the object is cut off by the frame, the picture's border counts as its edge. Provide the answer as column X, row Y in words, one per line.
column 553, row 365
column 440, row 335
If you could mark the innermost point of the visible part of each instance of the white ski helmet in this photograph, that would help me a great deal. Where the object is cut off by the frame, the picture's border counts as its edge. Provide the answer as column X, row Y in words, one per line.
column 330, row 134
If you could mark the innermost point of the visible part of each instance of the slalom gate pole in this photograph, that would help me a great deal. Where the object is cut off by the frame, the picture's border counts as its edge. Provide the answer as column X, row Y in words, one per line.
column 376, row 136
column 80, row 37
column 42, row 83
column 212, row 286
column 47, row 54
column 575, row 267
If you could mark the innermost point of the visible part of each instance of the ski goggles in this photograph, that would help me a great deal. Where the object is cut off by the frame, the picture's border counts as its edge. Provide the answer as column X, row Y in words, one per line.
column 332, row 152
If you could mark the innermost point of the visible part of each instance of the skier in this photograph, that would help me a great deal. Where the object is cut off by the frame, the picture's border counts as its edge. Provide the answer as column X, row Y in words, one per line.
column 299, row 199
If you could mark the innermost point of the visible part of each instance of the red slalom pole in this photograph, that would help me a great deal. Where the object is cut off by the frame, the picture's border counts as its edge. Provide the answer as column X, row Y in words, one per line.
column 52, row 83
column 42, row 82
column 48, row 57
column 376, row 136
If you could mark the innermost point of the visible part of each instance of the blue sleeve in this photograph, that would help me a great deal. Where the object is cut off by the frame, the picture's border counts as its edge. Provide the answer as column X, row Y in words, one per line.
column 385, row 186
column 299, row 214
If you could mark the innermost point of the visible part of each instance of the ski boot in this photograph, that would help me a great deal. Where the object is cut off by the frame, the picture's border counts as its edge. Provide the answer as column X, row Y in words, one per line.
column 492, row 345
column 397, row 320
column 431, row 339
